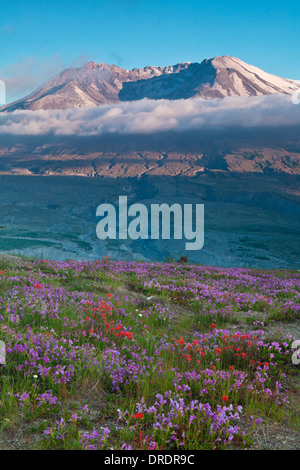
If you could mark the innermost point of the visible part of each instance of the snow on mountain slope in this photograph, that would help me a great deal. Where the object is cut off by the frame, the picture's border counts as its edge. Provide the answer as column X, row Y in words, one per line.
column 97, row 84
column 245, row 79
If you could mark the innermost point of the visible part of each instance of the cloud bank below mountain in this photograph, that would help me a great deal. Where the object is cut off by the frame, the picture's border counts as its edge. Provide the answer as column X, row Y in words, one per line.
column 152, row 116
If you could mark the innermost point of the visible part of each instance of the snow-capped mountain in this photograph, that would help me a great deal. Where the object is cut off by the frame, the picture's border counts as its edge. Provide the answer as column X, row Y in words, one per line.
column 97, row 84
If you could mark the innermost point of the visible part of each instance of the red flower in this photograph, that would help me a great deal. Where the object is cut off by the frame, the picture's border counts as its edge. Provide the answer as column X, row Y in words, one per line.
column 213, row 325
column 224, row 398
column 137, row 416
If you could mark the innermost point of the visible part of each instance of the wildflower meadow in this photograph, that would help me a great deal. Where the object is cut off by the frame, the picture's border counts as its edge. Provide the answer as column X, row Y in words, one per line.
column 144, row 356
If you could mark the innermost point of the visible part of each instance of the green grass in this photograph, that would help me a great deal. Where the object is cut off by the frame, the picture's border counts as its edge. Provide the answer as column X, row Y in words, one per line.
column 156, row 336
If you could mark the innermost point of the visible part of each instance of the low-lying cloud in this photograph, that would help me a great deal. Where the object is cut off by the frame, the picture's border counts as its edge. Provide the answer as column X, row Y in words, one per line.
column 152, row 116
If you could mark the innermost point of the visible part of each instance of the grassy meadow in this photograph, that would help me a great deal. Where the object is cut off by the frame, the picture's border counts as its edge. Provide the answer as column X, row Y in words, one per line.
column 132, row 355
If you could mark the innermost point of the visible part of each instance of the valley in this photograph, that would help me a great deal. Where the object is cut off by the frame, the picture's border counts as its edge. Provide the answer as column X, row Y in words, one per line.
column 250, row 220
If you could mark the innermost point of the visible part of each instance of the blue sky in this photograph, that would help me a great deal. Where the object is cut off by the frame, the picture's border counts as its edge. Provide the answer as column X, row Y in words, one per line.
column 40, row 38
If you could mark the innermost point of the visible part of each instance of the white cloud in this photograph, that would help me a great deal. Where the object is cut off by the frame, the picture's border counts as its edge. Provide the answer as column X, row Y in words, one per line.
column 149, row 116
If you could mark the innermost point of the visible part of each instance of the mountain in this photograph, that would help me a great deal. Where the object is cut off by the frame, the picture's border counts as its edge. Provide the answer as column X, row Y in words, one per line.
column 97, row 84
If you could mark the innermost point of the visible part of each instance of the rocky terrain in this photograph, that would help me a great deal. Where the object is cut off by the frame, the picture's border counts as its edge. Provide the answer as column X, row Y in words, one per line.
column 16, row 161
column 257, row 151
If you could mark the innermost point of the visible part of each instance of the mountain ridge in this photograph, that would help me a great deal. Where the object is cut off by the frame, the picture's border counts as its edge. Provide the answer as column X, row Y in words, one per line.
column 97, row 84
